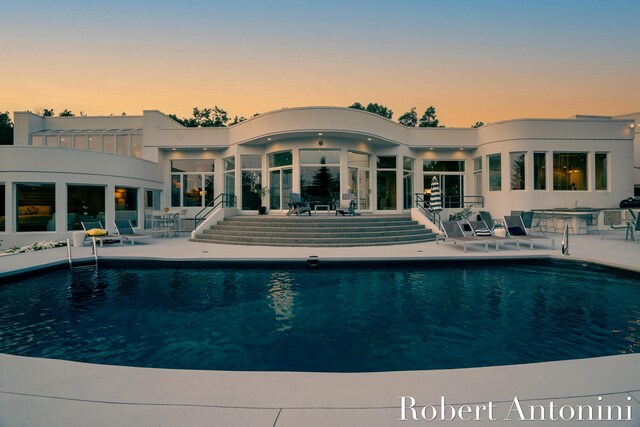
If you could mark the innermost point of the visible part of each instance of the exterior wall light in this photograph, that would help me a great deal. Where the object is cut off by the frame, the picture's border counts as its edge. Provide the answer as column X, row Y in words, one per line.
column 319, row 133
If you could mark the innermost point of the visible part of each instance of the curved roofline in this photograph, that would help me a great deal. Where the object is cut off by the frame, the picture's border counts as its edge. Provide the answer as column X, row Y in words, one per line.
column 539, row 119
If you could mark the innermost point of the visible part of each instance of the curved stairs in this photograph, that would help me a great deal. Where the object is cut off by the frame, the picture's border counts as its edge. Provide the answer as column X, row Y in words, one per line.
column 317, row 231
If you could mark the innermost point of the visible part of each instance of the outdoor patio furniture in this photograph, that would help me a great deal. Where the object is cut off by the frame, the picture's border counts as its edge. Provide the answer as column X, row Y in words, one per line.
column 616, row 220
column 347, row 205
column 481, row 229
column 125, row 231
column 92, row 225
column 453, row 233
column 296, row 206
column 492, row 223
column 516, row 229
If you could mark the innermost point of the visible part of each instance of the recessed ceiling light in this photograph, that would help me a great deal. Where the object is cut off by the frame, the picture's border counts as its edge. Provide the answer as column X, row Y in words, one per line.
column 205, row 148
column 268, row 139
column 431, row 148
column 461, row 149
column 173, row 149
column 368, row 139
column 320, row 133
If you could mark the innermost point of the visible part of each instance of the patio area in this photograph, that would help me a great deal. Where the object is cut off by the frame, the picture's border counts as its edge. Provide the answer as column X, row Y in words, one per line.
column 60, row 393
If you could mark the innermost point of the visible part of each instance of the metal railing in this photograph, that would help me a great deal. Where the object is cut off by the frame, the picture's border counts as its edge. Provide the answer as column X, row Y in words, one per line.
column 454, row 202
column 425, row 207
column 221, row 200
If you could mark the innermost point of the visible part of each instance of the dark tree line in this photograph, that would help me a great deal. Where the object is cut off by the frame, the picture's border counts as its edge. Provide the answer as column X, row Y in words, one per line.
column 6, row 129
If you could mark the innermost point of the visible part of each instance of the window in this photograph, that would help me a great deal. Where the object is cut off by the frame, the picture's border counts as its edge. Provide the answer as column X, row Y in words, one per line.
column 36, row 140
column 108, row 144
column 601, row 171
column 192, row 182
column 320, row 177
column 84, row 203
column 477, row 164
column 495, row 172
column 407, row 182
column 136, row 145
column 122, row 145
column 127, row 204
column 80, row 142
column 570, row 171
column 443, row 166
column 517, row 161
column 280, row 159
column 35, row 207
column 539, row 171
column 359, row 179
column 2, row 207
column 229, row 165
column 52, row 140
column 94, row 143
column 251, row 182
column 386, row 174
column 65, row 141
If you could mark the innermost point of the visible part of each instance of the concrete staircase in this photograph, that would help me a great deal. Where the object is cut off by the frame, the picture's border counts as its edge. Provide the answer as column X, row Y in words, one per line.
column 327, row 231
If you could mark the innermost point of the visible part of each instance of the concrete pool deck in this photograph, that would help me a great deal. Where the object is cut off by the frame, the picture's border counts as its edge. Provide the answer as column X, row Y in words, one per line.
column 42, row 392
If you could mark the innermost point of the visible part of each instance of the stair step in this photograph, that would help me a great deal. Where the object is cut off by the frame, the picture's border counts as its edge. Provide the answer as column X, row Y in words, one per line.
column 313, row 243
column 343, row 233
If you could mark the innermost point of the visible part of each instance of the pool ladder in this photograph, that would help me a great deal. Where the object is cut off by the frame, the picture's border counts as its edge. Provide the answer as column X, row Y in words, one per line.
column 95, row 254
column 565, row 239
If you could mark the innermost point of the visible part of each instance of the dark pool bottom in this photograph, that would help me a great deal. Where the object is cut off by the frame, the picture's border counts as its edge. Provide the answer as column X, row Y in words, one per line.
column 409, row 317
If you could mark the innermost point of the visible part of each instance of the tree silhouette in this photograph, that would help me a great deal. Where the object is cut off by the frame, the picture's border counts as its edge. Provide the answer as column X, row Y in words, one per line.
column 428, row 119
column 6, row 129
column 375, row 108
column 409, row 119
column 478, row 124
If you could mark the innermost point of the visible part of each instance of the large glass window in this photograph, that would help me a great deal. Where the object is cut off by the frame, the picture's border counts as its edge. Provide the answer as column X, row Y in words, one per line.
column 359, row 180
column 251, row 182
column 192, row 182
column 320, row 177
column 517, row 162
column 539, row 171
column 280, row 159
column 84, row 203
column 407, row 182
column 94, row 143
column 443, row 166
column 127, row 204
column 3, row 202
column 109, row 144
column 570, row 171
column 80, row 142
column 35, row 207
column 37, row 141
column 386, row 174
column 601, row 171
column 65, row 141
column 495, row 172
column 52, row 140
column 230, row 179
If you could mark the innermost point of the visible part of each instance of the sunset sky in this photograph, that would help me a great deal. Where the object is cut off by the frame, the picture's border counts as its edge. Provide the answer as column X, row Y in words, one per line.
column 473, row 60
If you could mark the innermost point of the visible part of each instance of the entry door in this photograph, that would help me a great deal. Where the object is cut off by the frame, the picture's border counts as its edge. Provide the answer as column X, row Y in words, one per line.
column 280, row 181
column 360, row 186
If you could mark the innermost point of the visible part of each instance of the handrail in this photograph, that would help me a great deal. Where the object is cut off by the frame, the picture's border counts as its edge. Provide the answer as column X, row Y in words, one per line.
column 69, row 253
column 565, row 239
column 461, row 201
column 425, row 207
column 222, row 199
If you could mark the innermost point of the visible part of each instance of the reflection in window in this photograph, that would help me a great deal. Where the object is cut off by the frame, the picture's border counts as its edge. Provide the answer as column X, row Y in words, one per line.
column 229, row 180
column 84, row 203
column 570, row 171
column 136, row 145
column 65, row 141
column 495, row 172
column 52, row 140
column 109, row 144
column 386, row 175
column 189, row 186
column 35, row 207
column 193, row 191
column 320, row 177
column 539, row 171
column 80, row 142
column 127, row 204
column 517, row 161
column 601, row 171
column 280, row 159
column 36, row 141
column 94, row 143
column 251, row 182
column 122, row 145
column 193, row 165
column 443, row 166
column 407, row 182
column 176, row 185
column 2, row 207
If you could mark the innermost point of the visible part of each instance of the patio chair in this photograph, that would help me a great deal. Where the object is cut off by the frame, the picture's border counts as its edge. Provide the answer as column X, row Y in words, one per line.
column 614, row 220
column 97, row 225
column 453, row 232
column 516, row 229
column 347, row 205
column 635, row 228
column 481, row 229
column 486, row 217
column 126, row 231
column 296, row 206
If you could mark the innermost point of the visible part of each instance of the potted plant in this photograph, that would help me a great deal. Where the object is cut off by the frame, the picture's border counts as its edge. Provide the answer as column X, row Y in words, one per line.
column 263, row 192
column 499, row 230
column 462, row 215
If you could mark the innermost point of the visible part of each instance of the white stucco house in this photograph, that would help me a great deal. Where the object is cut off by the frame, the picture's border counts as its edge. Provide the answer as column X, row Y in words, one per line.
column 63, row 170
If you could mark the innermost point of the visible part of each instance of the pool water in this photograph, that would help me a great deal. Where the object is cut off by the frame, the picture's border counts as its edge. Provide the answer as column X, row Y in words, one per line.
column 325, row 320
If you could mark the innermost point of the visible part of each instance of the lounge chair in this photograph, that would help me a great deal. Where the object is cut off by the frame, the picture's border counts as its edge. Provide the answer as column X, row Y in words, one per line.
column 614, row 220
column 126, row 231
column 296, row 206
column 635, row 228
column 492, row 223
column 347, row 205
column 482, row 230
column 516, row 229
column 92, row 225
column 453, row 232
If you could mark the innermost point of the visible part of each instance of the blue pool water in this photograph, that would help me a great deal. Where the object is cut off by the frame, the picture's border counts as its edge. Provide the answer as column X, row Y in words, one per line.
column 325, row 320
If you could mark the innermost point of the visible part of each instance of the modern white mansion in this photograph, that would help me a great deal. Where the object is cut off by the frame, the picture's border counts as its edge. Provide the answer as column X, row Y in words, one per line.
column 64, row 170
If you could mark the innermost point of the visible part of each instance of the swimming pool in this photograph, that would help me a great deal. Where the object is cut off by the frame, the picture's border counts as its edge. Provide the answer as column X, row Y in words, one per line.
column 324, row 320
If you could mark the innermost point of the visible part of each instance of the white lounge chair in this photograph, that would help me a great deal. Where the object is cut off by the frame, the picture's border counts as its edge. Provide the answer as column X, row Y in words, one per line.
column 516, row 229
column 126, row 231
column 453, row 232
column 90, row 225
